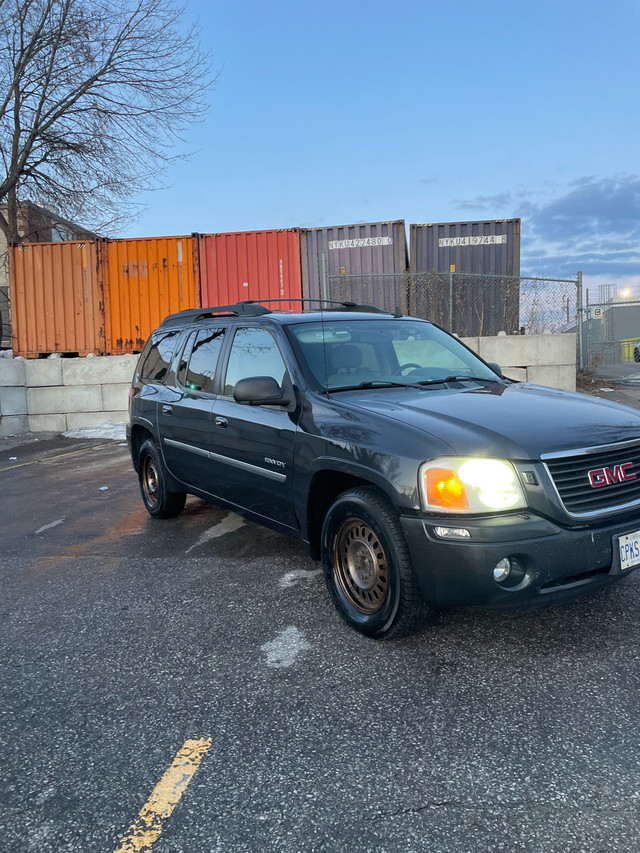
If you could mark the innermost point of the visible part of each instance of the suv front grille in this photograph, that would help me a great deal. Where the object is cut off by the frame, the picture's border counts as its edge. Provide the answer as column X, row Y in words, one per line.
column 598, row 480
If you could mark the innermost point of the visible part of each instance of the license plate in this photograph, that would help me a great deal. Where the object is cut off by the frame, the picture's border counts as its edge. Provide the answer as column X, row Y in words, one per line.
column 629, row 549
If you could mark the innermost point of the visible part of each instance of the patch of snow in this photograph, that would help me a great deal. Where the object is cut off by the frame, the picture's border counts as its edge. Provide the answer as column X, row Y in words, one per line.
column 229, row 524
column 53, row 524
column 109, row 430
column 292, row 578
column 6, row 353
column 283, row 651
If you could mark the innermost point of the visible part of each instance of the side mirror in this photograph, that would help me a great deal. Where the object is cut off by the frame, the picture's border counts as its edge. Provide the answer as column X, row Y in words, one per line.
column 495, row 366
column 260, row 391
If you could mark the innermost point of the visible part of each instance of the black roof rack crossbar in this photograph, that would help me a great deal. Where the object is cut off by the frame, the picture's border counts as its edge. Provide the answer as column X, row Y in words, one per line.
column 191, row 315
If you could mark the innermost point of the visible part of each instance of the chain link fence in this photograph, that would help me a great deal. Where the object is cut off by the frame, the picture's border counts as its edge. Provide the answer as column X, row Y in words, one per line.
column 469, row 305
column 610, row 333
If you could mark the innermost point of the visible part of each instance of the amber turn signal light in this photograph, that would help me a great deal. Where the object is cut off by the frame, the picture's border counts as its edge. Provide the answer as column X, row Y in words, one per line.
column 445, row 489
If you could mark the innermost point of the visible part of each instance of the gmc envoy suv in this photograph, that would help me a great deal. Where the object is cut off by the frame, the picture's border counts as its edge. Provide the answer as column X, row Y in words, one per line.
column 418, row 473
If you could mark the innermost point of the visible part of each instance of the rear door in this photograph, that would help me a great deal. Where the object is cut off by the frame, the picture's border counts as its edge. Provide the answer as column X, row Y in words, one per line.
column 184, row 421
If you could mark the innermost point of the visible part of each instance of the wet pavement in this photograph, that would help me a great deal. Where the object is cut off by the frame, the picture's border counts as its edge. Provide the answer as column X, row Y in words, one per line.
column 124, row 638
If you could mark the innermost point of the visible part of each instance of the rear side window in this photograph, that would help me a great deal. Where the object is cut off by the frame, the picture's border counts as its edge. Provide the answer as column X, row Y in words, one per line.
column 155, row 365
column 199, row 373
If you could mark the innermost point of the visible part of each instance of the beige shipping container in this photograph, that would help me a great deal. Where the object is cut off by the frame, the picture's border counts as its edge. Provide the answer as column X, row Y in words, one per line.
column 148, row 278
column 57, row 298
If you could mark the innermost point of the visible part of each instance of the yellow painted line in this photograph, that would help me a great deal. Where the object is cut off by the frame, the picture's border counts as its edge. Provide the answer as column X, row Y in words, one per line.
column 146, row 830
column 59, row 456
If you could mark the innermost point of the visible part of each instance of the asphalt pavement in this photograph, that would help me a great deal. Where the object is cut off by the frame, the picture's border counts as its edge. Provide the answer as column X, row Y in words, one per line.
column 205, row 646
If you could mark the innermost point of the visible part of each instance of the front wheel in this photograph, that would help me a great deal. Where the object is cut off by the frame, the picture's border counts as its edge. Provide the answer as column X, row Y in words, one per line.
column 367, row 566
column 159, row 501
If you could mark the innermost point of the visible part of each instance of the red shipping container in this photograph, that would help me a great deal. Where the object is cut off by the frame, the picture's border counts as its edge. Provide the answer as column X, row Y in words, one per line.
column 254, row 265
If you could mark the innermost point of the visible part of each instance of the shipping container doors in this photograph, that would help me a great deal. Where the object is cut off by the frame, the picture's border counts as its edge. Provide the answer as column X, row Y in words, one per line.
column 148, row 279
column 364, row 263
column 465, row 275
column 256, row 265
column 57, row 298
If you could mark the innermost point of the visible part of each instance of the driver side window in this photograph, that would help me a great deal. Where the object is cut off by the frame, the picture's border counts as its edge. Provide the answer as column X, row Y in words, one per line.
column 254, row 352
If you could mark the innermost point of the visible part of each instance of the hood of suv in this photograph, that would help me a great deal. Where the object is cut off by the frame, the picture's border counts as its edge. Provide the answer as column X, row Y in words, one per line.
column 518, row 421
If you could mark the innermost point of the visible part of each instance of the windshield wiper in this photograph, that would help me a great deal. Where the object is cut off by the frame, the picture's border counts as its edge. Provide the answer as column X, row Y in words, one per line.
column 375, row 383
column 388, row 383
column 456, row 378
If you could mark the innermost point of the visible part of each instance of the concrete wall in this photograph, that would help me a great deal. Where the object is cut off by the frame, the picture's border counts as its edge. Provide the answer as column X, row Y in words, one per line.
column 541, row 359
column 59, row 394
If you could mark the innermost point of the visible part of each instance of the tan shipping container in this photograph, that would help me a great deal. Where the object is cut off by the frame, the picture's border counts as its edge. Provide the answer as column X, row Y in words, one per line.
column 149, row 277
column 57, row 298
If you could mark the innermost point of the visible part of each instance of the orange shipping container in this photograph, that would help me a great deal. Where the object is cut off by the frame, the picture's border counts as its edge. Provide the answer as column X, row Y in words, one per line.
column 250, row 265
column 57, row 298
column 149, row 277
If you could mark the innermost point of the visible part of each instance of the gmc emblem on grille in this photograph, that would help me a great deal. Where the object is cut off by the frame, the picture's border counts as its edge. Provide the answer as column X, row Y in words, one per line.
column 607, row 476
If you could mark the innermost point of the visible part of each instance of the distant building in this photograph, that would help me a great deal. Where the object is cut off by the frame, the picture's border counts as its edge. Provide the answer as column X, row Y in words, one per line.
column 610, row 331
column 36, row 225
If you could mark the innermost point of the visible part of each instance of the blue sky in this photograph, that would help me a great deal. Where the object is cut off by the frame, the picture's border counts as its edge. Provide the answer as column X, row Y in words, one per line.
column 339, row 112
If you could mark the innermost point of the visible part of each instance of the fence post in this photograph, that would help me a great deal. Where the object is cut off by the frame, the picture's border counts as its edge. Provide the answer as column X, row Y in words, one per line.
column 580, row 322
column 587, row 325
column 323, row 276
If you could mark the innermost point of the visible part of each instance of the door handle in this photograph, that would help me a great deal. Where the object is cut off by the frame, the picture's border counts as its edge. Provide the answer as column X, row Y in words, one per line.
column 167, row 410
column 221, row 422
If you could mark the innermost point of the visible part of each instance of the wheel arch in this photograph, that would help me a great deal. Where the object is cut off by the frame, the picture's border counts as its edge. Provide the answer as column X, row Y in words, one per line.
column 326, row 485
column 139, row 434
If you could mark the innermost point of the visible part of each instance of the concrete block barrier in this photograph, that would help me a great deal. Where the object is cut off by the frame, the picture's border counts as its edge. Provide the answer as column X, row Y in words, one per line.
column 58, row 394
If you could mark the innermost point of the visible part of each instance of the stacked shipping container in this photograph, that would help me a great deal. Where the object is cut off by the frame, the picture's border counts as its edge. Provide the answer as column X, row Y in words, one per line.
column 465, row 275
column 365, row 263
column 482, row 248
column 57, row 298
column 106, row 296
column 254, row 265
column 148, row 279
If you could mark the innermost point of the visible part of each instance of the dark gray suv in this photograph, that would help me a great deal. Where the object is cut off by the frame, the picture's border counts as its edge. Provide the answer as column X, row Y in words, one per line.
column 419, row 474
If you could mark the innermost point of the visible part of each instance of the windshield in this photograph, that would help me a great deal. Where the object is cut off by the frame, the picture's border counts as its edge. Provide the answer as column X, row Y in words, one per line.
column 351, row 353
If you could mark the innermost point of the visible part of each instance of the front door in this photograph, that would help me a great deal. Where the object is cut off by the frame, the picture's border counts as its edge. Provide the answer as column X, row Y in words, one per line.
column 252, row 446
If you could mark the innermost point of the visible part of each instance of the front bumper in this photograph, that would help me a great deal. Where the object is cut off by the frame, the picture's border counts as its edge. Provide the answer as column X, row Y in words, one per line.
column 557, row 563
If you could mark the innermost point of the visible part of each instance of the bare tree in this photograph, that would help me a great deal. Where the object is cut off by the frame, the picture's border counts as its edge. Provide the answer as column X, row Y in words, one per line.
column 94, row 98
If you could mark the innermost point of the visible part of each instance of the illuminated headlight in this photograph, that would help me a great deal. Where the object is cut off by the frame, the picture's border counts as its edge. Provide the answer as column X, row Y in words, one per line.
column 458, row 484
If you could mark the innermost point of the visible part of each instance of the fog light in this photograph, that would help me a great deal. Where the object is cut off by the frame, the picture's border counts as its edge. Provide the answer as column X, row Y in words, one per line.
column 452, row 532
column 502, row 570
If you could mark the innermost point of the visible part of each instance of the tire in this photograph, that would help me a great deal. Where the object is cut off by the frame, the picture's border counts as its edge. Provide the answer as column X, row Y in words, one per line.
column 159, row 501
column 367, row 566
column 636, row 354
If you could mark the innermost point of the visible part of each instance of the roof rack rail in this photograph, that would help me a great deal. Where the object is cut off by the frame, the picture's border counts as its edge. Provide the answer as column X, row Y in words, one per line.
column 255, row 308
column 340, row 305
column 245, row 309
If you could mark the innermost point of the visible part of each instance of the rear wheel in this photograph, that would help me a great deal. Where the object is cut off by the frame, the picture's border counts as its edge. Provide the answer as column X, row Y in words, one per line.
column 367, row 566
column 159, row 501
